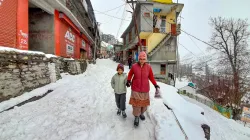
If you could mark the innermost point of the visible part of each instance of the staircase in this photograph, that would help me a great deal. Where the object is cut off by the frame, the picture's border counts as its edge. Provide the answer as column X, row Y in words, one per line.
column 163, row 41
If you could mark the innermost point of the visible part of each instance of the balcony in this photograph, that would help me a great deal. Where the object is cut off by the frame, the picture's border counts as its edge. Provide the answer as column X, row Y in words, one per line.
column 174, row 29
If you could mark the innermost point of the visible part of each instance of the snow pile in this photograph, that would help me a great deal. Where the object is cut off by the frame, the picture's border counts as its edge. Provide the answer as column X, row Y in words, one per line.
column 51, row 56
column 184, row 111
column 7, row 49
column 69, row 59
column 221, row 127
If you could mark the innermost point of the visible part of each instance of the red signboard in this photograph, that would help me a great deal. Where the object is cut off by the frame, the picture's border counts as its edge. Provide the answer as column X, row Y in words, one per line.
column 68, row 40
column 22, row 25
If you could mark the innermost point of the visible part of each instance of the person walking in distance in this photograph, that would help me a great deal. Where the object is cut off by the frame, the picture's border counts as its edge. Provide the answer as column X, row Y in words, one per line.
column 141, row 73
column 130, row 61
column 118, row 83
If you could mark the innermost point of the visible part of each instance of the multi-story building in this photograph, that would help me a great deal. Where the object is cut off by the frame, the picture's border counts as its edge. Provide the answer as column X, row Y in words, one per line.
column 158, row 30
column 66, row 28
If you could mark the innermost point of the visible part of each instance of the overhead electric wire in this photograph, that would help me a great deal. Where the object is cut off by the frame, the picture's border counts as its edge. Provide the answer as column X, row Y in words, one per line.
column 112, row 16
column 197, row 38
column 196, row 45
column 114, row 8
column 187, row 49
column 124, row 10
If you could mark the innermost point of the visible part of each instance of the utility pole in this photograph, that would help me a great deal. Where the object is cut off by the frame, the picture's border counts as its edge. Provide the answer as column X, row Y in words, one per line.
column 134, row 16
column 95, row 41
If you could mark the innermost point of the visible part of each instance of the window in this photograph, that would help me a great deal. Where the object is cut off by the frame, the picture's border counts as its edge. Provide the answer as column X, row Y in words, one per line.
column 146, row 14
column 163, row 69
column 163, row 24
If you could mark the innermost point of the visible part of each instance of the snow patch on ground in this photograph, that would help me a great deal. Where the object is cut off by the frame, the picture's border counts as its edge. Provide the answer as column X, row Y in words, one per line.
column 181, row 83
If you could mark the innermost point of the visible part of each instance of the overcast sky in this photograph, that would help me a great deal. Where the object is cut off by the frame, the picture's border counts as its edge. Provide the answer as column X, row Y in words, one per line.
column 196, row 14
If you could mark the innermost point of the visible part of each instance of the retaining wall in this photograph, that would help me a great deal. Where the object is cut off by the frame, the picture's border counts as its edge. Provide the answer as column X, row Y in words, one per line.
column 22, row 72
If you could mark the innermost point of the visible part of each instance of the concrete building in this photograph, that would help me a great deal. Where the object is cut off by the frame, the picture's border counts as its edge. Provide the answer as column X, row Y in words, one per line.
column 66, row 28
column 158, row 30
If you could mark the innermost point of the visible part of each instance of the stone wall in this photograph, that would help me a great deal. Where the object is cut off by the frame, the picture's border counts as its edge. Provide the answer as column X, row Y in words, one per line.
column 74, row 67
column 22, row 72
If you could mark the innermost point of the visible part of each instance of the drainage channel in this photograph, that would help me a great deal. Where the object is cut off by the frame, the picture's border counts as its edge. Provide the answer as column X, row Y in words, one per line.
column 35, row 98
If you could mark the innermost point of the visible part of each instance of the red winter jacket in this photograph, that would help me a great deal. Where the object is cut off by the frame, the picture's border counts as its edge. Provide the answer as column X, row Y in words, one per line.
column 141, row 75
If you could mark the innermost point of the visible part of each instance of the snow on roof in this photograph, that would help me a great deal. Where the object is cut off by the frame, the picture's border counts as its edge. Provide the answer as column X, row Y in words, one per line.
column 7, row 49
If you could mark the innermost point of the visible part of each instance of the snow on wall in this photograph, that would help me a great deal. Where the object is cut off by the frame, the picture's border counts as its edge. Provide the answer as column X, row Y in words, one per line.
column 52, row 72
column 7, row 49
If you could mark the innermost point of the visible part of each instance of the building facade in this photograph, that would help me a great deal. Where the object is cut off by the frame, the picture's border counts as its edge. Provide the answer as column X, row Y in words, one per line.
column 158, row 30
column 66, row 28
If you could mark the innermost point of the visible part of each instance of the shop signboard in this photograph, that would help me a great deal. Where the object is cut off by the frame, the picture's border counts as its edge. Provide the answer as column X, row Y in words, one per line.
column 83, row 45
column 70, row 49
column 70, row 40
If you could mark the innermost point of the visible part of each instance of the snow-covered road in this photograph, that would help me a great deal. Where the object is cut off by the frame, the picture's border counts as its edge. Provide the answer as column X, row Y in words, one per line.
column 81, row 107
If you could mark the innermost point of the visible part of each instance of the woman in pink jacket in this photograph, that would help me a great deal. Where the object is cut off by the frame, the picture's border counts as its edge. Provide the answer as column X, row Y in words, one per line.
column 141, row 73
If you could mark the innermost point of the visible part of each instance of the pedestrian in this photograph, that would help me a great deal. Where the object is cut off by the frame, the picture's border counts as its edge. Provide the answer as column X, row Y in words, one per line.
column 141, row 73
column 130, row 61
column 118, row 83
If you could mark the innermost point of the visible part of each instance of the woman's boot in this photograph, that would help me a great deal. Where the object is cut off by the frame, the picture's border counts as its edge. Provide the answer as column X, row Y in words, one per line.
column 142, row 117
column 136, row 122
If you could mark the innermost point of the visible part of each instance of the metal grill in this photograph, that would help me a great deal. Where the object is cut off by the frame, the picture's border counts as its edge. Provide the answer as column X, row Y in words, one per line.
column 8, row 23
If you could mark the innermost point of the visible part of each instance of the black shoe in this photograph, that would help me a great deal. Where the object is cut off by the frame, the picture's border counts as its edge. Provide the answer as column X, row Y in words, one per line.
column 119, row 112
column 136, row 122
column 142, row 117
column 124, row 115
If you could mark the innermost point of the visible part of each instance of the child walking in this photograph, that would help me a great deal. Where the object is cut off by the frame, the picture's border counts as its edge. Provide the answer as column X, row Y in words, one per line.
column 118, row 83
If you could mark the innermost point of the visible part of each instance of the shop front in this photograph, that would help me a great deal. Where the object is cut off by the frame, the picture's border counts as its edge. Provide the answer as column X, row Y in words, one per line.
column 70, row 42
column 14, row 24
